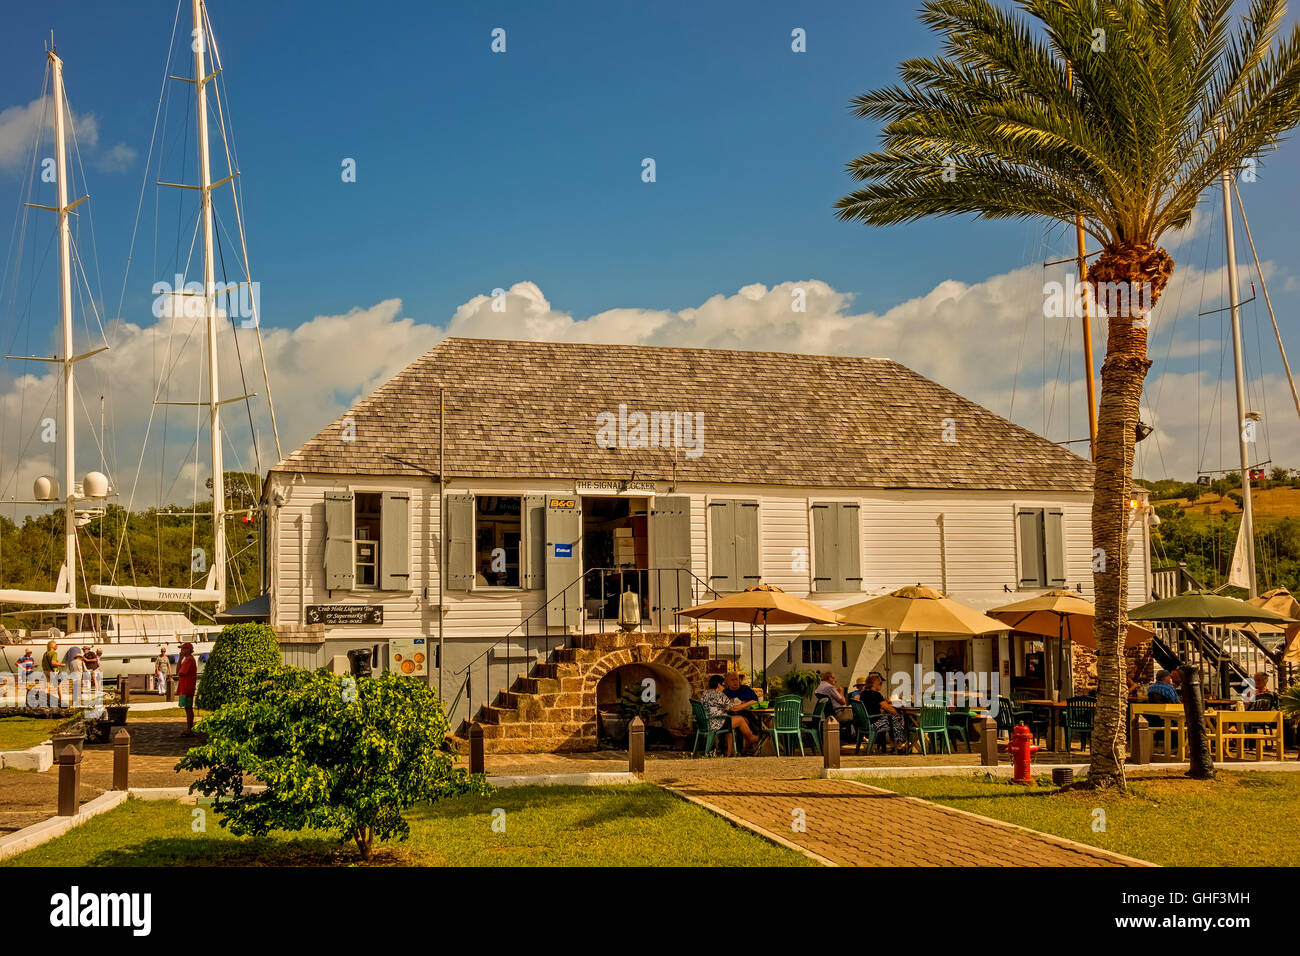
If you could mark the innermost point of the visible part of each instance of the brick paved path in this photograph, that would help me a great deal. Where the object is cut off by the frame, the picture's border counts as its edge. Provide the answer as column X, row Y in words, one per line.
column 853, row 825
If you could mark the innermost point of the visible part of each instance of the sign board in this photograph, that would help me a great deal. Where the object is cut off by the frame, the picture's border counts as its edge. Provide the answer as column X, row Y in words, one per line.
column 345, row 614
column 562, row 504
column 409, row 656
column 564, row 550
column 614, row 486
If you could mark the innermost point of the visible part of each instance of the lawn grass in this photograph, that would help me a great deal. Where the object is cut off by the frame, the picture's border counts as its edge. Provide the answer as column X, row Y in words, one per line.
column 19, row 733
column 633, row 825
column 1237, row 819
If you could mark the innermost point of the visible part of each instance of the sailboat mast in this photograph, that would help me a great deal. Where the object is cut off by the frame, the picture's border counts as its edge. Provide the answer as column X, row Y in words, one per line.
column 1247, row 510
column 65, row 314
column 210, row 311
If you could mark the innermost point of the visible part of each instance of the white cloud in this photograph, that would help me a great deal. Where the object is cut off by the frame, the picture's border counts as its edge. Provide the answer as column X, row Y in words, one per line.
column 21, row 127
column 984, row 340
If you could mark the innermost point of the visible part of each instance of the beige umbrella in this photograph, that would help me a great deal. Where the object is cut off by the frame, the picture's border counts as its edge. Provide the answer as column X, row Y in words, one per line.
column 920, row 610
column 1280, row 601
column 762, row 604
column 1063, row 614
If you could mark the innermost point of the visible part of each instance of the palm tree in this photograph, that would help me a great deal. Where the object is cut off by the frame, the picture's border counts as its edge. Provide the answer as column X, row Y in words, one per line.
column 1120, row 112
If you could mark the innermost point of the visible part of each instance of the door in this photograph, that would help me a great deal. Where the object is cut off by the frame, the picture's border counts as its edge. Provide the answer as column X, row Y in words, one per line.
column 563, row 561
column 670, row 560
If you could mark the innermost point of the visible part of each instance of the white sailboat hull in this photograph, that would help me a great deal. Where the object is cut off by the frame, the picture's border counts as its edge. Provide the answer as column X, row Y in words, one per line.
column 118, row 658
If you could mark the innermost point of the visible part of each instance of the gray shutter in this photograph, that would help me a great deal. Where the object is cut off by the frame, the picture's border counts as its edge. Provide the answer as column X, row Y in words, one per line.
column 534, row 543
column 826, row 569
column 670, row 547
column 747, row 554
column 460, row 542
column 395, row 542
column 339, row 517
column 563, row 561
column 1031, row 548
column 1054, row 547
column 722, row 546
column 849, row 542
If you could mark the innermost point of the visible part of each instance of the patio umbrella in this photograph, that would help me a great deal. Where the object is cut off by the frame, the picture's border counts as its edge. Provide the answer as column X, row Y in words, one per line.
column 1206, row 607
column 762, row 604
column 920, row 609
column 1063, row 614
column 1280, row 601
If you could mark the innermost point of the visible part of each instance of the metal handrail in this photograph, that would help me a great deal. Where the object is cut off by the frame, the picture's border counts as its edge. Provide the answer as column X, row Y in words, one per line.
column 697, row 585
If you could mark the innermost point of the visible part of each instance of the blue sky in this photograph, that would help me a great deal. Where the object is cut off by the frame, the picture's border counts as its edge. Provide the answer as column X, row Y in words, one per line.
column 478, row 170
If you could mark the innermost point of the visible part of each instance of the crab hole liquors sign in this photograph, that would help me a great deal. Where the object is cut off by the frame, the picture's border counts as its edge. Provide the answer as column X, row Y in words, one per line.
column 365, row 614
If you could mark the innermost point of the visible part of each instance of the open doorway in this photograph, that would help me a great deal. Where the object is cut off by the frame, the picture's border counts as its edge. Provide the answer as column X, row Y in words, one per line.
column 615, row 549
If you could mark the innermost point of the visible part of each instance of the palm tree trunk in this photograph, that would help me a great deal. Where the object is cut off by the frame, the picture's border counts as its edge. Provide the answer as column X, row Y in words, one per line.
column 1198, row 742
column 1145, row 271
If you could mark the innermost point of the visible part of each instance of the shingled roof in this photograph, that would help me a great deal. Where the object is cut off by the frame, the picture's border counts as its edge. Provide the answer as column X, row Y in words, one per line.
column 528, row 410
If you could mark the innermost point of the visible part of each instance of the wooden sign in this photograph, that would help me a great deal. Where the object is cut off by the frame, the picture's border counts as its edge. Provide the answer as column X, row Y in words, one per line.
column 345, row 614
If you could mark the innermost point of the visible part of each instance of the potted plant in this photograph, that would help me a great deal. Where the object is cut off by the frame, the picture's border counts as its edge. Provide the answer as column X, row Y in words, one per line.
column 802, row 683
column 631, row 705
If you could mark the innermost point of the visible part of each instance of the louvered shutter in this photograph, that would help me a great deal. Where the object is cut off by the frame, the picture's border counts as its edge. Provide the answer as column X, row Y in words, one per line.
column 395, row 542
column 460, row 542
column 339, row 517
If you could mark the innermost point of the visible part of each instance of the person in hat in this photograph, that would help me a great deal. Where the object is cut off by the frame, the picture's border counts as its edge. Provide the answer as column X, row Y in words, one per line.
column 1163, row 690
column 859, row 685
column 187, row 671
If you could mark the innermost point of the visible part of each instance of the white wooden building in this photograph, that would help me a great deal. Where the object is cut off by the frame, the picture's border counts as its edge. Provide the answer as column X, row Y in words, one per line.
column 834, row 478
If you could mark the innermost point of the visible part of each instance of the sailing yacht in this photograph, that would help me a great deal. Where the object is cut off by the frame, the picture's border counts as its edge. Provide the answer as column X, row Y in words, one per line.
column 130, row 639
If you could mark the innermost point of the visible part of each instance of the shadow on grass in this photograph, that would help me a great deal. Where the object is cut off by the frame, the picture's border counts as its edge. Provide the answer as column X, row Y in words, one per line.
column 198, row 851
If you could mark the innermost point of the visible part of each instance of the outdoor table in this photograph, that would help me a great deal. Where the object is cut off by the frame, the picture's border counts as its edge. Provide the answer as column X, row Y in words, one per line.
column 1175, row 721
column 1220, row 719
column 765, row 717
column 1053, row 707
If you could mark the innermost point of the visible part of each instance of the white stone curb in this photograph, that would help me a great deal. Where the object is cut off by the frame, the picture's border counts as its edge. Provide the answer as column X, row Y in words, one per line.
column 39, row 758
column 180, row 794
column 565, row 780
column 47, row 830
column 154, row 705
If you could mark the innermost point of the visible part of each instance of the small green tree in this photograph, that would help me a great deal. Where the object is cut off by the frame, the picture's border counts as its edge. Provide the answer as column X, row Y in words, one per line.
column 336, row 753
column 240, row 652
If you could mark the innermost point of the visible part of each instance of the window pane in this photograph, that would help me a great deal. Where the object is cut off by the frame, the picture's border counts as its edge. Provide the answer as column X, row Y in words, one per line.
column 368, row 505
column 498, row 530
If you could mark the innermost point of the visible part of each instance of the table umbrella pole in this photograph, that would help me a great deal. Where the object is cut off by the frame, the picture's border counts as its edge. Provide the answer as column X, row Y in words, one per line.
column 764, row 653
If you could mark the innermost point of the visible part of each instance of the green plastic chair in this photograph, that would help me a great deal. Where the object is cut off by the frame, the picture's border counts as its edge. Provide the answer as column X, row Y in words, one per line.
column 957, row 725
column 812, row 723
column 933, row 722
column 787, row 721
column 1009, row 715
column 711, row 737
column 862, row 723
column 1079, row 712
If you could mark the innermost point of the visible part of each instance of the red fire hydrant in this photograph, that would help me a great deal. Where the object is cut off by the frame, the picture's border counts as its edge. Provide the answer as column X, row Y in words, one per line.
column 1022, row 749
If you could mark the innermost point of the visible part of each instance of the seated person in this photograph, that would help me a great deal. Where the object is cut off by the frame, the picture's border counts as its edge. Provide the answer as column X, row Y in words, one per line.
column 1264, row 698
column 718, row 706
column 839, row 706
column 742, row 697
column 1161, row 692
column 884, row 716
column 859, row 686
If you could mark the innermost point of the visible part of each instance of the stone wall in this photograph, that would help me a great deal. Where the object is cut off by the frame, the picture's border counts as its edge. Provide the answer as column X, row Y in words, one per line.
column 554, row 707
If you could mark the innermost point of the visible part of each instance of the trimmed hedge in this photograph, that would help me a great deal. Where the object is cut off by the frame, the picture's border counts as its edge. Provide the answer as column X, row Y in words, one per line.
column 240, row 651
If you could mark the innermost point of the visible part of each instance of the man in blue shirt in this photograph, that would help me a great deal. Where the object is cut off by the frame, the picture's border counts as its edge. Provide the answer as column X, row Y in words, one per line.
column 1163, row 691
column 742, row 698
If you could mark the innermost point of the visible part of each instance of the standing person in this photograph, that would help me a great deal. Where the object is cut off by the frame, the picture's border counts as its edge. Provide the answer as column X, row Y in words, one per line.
column 50, row 666
column 188, row 680
column 26, row 664
column 162, row 669
column 77, row 672
column 91, row 658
